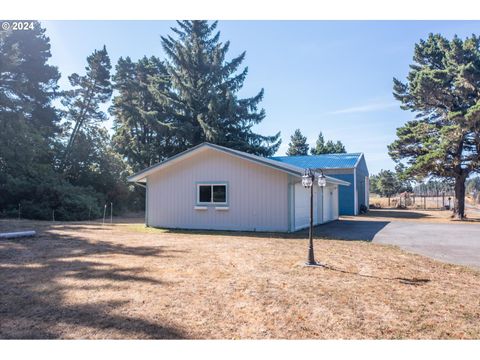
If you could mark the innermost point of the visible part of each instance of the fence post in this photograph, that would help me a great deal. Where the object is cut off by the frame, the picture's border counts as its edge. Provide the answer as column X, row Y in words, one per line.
column 104, row 212
column 111, row 213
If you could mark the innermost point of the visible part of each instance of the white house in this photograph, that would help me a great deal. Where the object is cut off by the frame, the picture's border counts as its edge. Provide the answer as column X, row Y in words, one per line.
column 217, row 188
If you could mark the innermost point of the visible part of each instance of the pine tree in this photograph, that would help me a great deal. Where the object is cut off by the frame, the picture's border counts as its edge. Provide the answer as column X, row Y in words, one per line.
column 202, row 100
column 327, row 148
column 443, row 89
column 29, row 123
column 142, row 129
column 388, row 183
column 89, row 92
column 298, row 144
column 319, row 146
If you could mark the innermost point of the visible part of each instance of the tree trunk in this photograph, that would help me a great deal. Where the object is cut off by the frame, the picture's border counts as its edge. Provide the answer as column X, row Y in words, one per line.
column 459, row 203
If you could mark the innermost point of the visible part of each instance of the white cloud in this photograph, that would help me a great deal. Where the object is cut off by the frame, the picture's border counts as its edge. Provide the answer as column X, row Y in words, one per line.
column 365, row 108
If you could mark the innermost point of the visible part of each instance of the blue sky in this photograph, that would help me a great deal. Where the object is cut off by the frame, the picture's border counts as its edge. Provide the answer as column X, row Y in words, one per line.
column 329, row 76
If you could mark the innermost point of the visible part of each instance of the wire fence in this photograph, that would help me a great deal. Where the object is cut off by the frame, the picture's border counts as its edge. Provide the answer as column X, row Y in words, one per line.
column 443, row 201
column 106, row 219
column 427, row 202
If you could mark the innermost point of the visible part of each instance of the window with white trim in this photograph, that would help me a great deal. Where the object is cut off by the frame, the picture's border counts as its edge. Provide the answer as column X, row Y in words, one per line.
column 212, row 194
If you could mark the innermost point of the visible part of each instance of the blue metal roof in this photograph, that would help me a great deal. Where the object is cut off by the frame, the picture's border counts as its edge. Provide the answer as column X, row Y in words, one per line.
column 325, row 161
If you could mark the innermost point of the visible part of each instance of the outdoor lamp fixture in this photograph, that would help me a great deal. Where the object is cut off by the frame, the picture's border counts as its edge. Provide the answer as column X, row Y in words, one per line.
column 308, row 180
column 322, row 180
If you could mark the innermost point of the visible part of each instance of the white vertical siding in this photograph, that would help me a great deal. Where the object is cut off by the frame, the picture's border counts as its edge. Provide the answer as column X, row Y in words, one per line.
column 257, row 195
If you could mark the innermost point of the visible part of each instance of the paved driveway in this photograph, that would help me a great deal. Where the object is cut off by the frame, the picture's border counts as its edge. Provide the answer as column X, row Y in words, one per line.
column 453, row 243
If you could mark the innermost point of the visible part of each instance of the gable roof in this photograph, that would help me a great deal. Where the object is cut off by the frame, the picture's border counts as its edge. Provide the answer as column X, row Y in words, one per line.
column 325, row 161
column 285, row 167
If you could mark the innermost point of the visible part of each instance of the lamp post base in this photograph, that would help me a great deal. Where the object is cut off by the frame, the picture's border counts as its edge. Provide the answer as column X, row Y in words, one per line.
column 315, row 264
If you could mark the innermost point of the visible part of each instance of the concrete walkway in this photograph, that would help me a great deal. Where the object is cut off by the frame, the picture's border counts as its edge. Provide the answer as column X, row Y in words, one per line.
column 452, row 243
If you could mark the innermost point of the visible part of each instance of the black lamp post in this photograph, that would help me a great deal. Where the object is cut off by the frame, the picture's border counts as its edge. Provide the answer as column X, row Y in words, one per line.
column 308, row 180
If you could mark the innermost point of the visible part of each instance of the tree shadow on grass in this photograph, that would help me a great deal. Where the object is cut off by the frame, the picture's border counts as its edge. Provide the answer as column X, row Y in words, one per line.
column 33, row 296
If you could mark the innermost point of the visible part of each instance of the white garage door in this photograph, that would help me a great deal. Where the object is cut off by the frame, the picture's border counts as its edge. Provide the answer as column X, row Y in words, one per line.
column 302, row 206
column 331, row 203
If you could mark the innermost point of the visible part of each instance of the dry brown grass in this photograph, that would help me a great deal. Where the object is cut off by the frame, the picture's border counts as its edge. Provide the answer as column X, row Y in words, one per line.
column 125, row 281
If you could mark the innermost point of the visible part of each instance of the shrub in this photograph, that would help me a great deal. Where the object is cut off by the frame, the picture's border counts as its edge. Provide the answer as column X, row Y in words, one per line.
column 38, row 198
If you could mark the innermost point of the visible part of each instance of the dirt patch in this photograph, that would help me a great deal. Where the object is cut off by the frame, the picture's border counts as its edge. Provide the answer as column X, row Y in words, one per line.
column 124, row 281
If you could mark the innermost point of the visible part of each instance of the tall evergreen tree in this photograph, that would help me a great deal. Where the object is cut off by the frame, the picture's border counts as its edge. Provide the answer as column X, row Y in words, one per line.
column 202, row 99
column 29, row 123
column 443, row 89
column 327, row 148
column 319, row 146
column 90, row 159
column 142, row 129
column 298, row 144
column 89, row 92
column 337, row 147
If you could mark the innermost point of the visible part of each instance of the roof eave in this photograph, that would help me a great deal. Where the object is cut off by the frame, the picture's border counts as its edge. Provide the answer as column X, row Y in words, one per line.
column 337, row 181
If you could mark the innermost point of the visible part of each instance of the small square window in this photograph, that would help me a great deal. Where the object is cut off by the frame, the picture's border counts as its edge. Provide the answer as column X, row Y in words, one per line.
column 205, row 193
column 219, row 193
